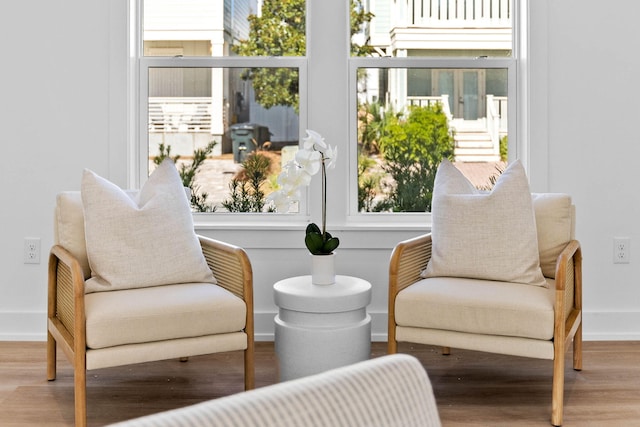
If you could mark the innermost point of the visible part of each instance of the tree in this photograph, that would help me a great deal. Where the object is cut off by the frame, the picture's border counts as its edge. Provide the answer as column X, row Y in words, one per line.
column 281, row 31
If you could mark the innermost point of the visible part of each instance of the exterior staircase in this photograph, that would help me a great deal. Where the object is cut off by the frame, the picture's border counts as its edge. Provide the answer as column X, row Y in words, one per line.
column 474, row 143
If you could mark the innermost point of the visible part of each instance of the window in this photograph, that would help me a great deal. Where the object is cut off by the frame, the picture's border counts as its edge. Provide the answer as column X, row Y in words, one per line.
column 214, row 94
column 443, row 66
column 440, row 83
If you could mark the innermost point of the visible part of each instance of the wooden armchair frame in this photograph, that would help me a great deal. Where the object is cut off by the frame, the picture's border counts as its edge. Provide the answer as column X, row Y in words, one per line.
column 66, row 310
column 410, row 257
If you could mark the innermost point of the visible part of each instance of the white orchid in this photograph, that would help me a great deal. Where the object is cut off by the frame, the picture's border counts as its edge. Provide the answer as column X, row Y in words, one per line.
column 309, row 161
column 314, row 156
column 314, row 141
column 330, row 157
column 281, row 200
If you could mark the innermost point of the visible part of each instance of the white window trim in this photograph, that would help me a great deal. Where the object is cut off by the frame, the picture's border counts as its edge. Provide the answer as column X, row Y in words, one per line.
column 343, row 217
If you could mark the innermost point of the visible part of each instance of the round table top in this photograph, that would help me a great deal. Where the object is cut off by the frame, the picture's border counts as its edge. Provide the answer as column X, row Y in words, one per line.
column 299, row 294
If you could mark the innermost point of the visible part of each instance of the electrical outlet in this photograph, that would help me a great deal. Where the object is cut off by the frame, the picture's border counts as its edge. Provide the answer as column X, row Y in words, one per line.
column 621, row 250
column 32, row 250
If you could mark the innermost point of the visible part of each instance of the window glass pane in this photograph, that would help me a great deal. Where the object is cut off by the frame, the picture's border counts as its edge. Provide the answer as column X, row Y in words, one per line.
column 224, row 124
column 224, row 28
column 442, row 28
column 411, row 118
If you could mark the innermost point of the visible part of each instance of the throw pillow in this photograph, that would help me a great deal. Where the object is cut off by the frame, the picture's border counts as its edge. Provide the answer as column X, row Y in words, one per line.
column 136, row 241
column 480, row 235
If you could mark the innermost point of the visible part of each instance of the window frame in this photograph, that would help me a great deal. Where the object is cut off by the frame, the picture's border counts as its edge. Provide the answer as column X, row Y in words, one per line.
column 347, row 217
column 140, row 151
column 355, row 63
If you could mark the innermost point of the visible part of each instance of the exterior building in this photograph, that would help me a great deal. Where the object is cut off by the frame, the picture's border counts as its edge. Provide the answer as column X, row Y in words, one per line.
column 189, row 107
column 475, row 100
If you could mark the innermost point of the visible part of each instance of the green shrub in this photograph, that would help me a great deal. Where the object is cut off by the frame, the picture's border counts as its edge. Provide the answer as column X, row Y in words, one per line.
column 188, row 172
column 412, row 149
column 246, row 193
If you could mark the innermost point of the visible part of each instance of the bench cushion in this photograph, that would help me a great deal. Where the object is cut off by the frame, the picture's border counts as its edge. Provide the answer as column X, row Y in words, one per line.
column 478, row 306
column 161, row 313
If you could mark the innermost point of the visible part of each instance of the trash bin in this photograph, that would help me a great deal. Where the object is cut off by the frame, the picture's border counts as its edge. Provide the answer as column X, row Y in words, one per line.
column 246, row 138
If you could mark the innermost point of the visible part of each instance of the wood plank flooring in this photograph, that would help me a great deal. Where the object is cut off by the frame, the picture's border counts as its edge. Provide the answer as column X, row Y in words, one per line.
column 471, row 388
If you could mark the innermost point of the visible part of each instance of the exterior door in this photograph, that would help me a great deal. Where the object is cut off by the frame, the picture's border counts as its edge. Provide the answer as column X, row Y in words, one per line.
column 466, row 90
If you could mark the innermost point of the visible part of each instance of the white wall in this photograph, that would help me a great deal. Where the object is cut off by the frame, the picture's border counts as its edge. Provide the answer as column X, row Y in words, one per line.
column 63, row 108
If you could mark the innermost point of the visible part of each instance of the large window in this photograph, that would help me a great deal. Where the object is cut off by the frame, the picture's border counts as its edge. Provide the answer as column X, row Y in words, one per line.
column 225, row 82
column 439, row 83
column 220, row 94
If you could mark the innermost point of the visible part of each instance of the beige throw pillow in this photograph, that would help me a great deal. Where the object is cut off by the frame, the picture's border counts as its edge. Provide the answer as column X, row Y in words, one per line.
column 480, row 235
column 142, row 240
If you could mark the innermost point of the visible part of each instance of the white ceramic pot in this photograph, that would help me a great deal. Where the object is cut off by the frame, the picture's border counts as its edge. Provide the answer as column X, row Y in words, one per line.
column 323, row 271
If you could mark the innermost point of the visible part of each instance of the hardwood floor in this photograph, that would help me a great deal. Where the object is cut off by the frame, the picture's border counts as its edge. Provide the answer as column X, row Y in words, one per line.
column 471, row 388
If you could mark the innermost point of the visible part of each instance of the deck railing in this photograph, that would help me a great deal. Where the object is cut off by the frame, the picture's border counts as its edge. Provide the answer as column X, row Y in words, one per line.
column 469, row 13
column 180, row 114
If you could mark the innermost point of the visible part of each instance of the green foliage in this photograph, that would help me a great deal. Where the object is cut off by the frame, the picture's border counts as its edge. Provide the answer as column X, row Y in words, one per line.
column 319, row 243
column 358, row 17
column 371, row 122
column 188, row 172
column 368, row 183
column 504, row 147
column 412, row 150
column 246, row 194
column 281, row 31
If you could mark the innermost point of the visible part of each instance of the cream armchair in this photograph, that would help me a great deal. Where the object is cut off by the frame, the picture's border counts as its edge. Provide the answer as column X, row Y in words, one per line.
column 120, row 327
column 496, row 317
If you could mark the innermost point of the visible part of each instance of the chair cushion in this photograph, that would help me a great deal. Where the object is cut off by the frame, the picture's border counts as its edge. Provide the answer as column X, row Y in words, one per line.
column 161, row 313
column 144, row 241
column 68, row 227
column 478, row 307
column 554, row 222
column 480, row 235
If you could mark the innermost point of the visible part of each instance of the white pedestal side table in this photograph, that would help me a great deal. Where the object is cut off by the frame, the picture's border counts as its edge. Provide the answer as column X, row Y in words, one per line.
column 321, row 327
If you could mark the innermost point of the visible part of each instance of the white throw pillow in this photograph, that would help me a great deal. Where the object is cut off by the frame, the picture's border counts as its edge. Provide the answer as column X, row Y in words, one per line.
column 480, row 235
column 141, row 241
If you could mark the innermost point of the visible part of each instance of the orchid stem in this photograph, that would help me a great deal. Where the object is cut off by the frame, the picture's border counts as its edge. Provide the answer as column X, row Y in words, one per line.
column 324, row 201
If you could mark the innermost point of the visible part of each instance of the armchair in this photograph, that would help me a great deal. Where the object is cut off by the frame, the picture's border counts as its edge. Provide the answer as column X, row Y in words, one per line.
column 126, row 326
column 493, row 316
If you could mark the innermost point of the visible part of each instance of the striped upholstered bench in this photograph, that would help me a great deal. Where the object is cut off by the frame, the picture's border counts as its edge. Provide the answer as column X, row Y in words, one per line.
column 390, row 391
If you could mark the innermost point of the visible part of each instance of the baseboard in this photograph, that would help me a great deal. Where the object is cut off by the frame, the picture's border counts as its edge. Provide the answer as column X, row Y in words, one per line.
column 23, row 326
column 611, row 326
column 598, row 326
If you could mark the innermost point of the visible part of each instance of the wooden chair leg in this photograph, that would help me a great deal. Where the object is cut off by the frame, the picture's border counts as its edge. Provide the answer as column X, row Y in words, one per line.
column 51, row 357
column 577, row 349
column 249, row 368
column 80, row 388
column 392, row 346
column 557, row 393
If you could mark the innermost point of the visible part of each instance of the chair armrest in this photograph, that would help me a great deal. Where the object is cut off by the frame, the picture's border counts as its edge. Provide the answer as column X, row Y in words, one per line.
column 66, row 316
column 568, row 300
column 232, row 269
column 408, row 259
column 230, row 265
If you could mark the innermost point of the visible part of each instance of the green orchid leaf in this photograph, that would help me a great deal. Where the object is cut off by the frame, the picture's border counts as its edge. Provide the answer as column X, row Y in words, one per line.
column 313, row 228
column 330, row 245
column 314, row 243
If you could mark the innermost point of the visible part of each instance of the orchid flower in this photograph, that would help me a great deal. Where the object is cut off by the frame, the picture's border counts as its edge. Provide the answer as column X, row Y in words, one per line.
column 314, row 156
